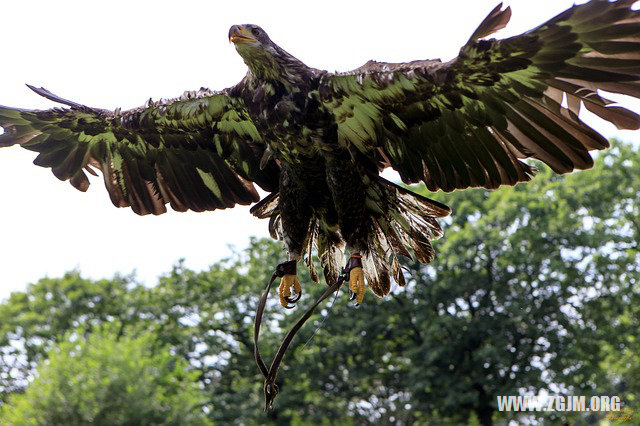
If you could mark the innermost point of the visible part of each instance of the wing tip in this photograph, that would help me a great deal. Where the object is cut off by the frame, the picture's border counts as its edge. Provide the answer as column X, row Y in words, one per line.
column 496, row 20
column 52, row 97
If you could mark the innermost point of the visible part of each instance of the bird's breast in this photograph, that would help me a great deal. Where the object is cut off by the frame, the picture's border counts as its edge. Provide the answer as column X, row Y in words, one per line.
column 295, row 125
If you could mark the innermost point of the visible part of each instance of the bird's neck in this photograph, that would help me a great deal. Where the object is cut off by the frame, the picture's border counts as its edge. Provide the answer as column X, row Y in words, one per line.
column 278, row 66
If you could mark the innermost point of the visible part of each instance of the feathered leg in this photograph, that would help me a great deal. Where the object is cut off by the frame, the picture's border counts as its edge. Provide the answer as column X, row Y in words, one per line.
column 348, row 185
column 296, row 214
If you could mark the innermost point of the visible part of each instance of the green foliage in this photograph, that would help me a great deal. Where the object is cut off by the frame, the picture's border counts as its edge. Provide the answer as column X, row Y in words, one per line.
column 531, row 284
column 106, row 380
column 534, row 287
column 31, row 322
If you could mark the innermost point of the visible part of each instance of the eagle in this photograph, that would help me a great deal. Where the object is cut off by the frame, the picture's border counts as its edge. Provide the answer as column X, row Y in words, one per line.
column 317, row 141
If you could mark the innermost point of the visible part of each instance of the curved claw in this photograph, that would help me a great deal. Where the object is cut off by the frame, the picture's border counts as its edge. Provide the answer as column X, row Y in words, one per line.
column 356, row 284
column 284, row 290
column 295, row 298
column 352, row 295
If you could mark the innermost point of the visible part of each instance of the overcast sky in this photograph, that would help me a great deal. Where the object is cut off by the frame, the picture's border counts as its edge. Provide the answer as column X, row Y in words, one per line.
column 119, row 53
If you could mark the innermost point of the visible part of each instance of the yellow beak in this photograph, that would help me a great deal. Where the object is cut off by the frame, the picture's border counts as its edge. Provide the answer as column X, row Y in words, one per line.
column 239, row 35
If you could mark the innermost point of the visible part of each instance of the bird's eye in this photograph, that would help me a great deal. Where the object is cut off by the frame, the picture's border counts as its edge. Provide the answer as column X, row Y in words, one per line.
column 255, row 31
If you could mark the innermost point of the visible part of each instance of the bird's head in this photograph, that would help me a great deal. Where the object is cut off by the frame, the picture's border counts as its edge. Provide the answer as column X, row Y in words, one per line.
column 264, row 58
column 248, row 36
column 252, row 43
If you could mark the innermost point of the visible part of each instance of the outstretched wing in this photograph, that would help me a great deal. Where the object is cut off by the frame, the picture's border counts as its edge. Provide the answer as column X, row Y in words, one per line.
column 197, row 152
column 468, row 122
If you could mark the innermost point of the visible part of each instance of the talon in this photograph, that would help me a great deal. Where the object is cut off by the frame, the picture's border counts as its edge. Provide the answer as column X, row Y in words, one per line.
column 295, row 298
column 356, row 284
column 287, row 272
column 356, row 279
column 284, row 290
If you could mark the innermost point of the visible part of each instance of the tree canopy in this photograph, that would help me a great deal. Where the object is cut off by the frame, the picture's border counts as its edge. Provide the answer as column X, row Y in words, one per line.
column 534, row 287
column 108, row 379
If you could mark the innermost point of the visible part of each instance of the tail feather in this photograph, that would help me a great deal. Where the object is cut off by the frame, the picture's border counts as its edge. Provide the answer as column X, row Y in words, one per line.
column 329, row 244
column 331, row 253
column 376, row 271
column 398, row 275
column 404, row 226
column 397, row 240
column 267, row 207
column 405, row 231
column 312, row 237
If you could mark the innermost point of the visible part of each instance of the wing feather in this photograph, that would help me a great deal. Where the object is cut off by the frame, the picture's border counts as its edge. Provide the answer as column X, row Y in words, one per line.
column 469, row 122
column 197, row 152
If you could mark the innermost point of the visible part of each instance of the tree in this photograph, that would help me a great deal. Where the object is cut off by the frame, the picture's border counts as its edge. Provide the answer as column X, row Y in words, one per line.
column 109, row 380
column 529, row 287
column 32, row 322
column 534, row 287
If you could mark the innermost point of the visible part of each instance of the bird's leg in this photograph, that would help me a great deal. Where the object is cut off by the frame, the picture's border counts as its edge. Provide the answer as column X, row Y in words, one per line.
column 289, row 279
column 356, row 278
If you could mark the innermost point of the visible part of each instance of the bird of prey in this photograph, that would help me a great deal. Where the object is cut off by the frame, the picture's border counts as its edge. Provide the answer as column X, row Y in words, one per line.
column 317, row 141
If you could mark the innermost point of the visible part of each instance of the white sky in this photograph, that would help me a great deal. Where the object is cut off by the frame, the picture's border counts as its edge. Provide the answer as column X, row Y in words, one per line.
column 119, row 53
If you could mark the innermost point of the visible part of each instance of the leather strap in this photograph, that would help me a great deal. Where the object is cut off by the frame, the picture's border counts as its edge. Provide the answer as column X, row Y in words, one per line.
column 270, row 387
column 355, row 261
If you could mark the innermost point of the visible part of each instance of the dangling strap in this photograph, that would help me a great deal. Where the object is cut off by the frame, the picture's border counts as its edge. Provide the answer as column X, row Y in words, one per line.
column 281, row 270
column 270, row 388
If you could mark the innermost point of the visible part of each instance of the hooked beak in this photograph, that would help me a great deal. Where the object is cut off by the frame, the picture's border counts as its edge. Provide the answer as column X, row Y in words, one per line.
column 239, row 35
